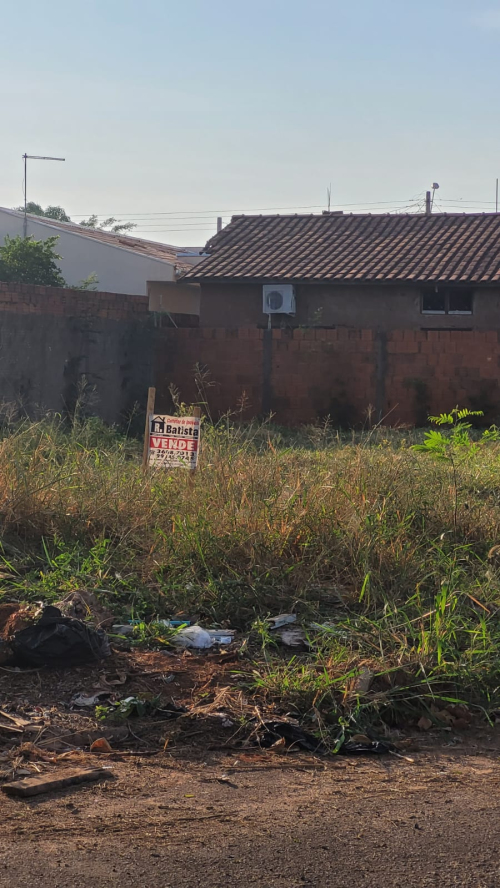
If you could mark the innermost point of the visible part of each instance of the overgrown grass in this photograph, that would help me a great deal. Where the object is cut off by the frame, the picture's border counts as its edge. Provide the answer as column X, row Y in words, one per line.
column 361, row 531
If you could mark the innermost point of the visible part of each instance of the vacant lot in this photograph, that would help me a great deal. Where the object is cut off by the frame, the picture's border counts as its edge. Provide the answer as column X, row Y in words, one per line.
column 388, row 551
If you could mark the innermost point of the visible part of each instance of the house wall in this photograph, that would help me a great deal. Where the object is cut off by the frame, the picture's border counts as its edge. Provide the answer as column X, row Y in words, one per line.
column 118, row 270
column 381, row 306
column 53, row 341
column 176, row 298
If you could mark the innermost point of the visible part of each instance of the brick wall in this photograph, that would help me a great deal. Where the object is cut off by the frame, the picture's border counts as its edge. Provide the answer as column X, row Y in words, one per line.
column 51, row 339
column 56, row 343
column 28, row 299
column 301, row 374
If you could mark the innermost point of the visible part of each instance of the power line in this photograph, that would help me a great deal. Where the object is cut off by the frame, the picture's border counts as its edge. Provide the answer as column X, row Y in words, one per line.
column 196, row 213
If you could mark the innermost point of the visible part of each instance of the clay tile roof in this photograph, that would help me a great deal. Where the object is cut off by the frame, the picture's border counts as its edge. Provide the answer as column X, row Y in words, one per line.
column 153, row 249
column 334, row 247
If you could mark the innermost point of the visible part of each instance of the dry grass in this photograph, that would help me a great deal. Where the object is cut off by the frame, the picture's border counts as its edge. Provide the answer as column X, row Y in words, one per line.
column 359, row 530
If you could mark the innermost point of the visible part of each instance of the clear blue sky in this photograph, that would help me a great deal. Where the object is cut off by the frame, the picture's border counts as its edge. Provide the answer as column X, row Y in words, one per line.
column 170, row 106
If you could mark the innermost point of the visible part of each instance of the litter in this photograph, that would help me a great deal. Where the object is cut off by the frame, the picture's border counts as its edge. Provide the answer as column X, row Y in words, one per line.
column 58, row 641
column 174, row 624
column 272, row 732
column 192, row 637
column 101, row 745
column 371, row 747
column 222, row 636
column 31, row 786
column 281, row 620
column 294, row 638
column 123, row 630
column 89, row 701
column 363, row 682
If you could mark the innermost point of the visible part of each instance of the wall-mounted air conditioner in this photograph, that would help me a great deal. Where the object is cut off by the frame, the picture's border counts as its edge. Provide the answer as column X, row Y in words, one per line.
column 278, row 299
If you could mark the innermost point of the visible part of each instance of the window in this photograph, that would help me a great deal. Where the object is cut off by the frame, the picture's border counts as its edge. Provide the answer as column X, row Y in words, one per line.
column 454, row 301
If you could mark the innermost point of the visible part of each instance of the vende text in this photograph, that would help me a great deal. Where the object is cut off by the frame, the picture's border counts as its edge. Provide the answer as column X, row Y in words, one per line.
column 173, row 444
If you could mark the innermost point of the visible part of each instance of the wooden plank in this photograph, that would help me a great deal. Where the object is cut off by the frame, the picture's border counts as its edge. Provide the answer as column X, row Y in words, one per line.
column 31, row 786
column 150, row 409
column 20, row 722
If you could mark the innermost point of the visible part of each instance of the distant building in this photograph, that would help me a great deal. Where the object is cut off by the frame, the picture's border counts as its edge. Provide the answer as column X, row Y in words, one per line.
column 122, row 263
column 379, row 272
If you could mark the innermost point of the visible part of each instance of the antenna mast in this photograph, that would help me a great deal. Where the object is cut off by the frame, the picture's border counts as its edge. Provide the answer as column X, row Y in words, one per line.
column 27, row 157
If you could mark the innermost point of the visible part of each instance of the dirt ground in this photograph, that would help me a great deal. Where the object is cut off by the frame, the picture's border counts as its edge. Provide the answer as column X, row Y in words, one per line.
column 192, row 815
column 267, row 820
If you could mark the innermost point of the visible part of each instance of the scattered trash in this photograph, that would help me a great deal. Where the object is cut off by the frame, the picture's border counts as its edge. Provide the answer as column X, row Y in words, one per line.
column 294, row 638
column 113, row 679
column 58, row 641
column 31, row 786
column 363, row 682
column 281, row 620
column 168, row 678
column 101, row 745
column 122, row 629
column 89, row 701
column 272, row 731
column 366, row 747
column 174, row 624
column 222, row 636
column 192, row 637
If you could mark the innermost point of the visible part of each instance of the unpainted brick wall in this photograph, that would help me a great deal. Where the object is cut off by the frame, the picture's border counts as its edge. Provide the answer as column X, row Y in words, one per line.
column 29, row 299
column 304, row 374
column 50, row 338
column 56, row 342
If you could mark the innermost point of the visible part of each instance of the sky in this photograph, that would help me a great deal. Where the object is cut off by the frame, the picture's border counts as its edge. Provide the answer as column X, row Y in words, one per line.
column 172, row 113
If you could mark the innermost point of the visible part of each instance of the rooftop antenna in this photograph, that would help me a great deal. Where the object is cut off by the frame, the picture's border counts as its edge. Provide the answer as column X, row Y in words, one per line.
column 27, row 157
column 496, row 198
column 429, row 199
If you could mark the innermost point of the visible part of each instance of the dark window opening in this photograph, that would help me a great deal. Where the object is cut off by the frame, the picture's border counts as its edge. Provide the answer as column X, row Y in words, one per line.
column 447, row 301
column 433, row 303
column 460, row 302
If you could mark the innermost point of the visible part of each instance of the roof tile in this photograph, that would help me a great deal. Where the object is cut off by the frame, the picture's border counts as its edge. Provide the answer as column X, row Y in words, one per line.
column 334, row 247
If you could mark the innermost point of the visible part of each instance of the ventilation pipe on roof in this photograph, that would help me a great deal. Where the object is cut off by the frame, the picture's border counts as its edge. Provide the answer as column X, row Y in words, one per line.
column 219, row 224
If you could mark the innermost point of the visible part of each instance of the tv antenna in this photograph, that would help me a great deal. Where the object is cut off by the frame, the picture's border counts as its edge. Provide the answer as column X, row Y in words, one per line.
column 27, row 157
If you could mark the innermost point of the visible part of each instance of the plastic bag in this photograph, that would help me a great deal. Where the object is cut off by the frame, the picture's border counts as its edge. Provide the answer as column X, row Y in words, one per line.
column 59, row 641
column 192, row 637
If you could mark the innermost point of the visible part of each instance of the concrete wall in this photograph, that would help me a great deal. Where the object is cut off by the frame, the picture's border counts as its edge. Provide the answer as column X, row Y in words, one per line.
column 381, row 306
column 175, row 298
column 118, row 270
column 54, row 342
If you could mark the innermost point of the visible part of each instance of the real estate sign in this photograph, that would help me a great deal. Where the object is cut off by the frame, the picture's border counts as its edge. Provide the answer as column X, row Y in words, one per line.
column 174, row 441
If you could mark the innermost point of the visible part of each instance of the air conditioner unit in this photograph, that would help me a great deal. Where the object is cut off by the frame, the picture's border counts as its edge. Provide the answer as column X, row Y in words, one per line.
column 278, row 299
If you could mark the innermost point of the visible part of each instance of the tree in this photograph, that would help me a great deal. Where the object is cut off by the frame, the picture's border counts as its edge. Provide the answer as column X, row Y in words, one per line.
column 49, row 212
column 110, row 224
column 54, row 212
column 27, row 261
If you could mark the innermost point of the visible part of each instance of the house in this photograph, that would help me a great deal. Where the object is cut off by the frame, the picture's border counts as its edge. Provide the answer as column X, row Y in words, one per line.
column 121, row 263
column 383, row 272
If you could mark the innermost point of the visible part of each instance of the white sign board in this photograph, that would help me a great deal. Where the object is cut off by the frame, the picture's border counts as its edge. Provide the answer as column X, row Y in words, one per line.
column 174, row 441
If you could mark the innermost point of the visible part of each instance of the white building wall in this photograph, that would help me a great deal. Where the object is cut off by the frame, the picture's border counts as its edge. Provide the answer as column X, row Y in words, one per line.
column 118, row 270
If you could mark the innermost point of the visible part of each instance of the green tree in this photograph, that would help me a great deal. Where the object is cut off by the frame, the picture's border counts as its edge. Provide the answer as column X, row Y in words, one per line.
column 109, row 224
column 49, row 212
column 27, row 261
column 54, row 212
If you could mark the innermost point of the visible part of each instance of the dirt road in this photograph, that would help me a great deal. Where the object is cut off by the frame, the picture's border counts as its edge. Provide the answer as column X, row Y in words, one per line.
column 267, row 820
